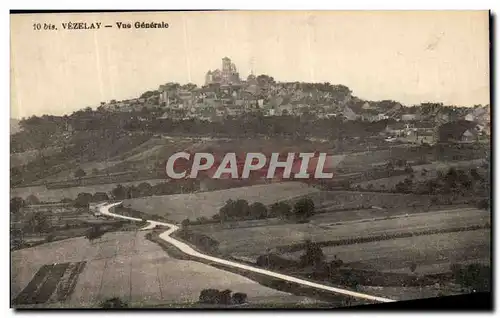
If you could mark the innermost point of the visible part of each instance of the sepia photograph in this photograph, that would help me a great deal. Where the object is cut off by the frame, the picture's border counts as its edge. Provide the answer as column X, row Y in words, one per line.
column 249, row 159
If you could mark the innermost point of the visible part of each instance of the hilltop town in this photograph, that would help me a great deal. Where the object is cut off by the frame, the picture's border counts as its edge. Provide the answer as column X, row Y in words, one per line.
column 225, row 94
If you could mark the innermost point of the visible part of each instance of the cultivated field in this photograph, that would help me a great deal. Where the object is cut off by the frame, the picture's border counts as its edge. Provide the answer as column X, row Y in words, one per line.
column 411, row 293
column 431, row 173
column 250, row 242
column 125, row 265
column 431, row 253
column 181, row 206
column 365, row 199
column 357, row 161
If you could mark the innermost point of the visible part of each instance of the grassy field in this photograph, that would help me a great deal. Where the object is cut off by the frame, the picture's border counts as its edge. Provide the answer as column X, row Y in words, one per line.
column 250, row 242
column 23, row 158
column 181, row 206
column 127, row 265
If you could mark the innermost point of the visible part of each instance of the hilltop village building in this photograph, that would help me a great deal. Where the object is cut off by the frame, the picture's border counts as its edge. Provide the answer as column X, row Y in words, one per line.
column 225, row 94
column 228, row 75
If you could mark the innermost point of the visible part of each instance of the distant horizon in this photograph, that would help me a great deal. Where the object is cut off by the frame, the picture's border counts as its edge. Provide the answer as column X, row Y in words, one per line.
column 409, row 57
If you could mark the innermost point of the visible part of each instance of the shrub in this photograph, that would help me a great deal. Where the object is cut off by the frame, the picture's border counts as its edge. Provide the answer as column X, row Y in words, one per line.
column 225, row 297
column 475, row 276
column 483, row 204
column 83, row 199
column 209, row 296
column 258, row 210
column 413, row 267
column 114, row 302
column 50, row 238
column 281, row 210
column 80, row 173
column 32, row 199
column 100, row 196
column 313, row 255
column 304, row 208
column 239, row 298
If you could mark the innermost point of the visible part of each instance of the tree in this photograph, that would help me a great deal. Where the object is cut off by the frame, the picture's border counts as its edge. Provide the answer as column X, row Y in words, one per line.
column 185, row 222
column 147, row 94
column 408, row 168
column 80, row 173
column 265, row 80
column 281, row 209
column 234, row 210
column 434, row 201
column 313, row 255
column 474, row 174
column 32, row 199
column 413, row 267
column 15, row 172
column 303, row 208
column 239, row 298
column 225, row 297
column 94, row 233
column 209, row 296
column 475, row 276
column 50, row 238
column 83, row 200
column 100, row 196
column 39, row 222
column 16, row 203
column 464, row 180
column 484, row 204
column 201, row 219
column 241, row 208
column 258, row 210
column 119, row 192
column 390, row 166
column 145, row 189
column 189, row 86
column 336, row 263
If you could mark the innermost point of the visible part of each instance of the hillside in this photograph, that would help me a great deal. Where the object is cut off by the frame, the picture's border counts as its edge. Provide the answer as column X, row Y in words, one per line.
column 14, row 126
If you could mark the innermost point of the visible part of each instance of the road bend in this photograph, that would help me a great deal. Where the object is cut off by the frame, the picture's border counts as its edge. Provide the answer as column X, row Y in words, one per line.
column 104, row 209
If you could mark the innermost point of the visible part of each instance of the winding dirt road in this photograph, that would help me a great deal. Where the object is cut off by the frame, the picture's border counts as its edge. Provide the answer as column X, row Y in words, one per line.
column 104, row 209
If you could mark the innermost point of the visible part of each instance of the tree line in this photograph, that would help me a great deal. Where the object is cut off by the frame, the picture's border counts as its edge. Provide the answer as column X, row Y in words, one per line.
column 240, row 210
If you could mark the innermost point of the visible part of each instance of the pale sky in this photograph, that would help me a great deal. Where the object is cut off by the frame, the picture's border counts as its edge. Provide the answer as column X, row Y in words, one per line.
column 411, row 57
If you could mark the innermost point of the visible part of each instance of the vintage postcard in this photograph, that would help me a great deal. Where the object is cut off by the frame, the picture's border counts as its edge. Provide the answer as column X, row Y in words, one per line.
column 249, row 159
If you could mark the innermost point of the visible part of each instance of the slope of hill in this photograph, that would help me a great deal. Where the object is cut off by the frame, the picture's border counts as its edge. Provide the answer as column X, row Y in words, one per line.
column 14, row 126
